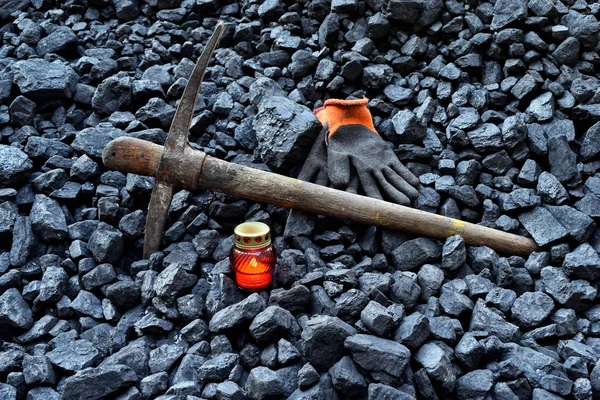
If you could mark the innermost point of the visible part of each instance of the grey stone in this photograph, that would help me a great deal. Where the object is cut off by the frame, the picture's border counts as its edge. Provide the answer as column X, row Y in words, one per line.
column 474, row 384
column 284, row 131
column 287, row 353
column 126, row 10
column 408, row 128
column 74, row 356
column 501, row 298
column 6, row 9
column 590, row 145
column 323, row 340
column 172, row 282
column 563, row 160
column 583, row 262
column 271, row 324
column 414, row 253
column 23, row 241
column 307, row 376
column 237, row 314
column 405, row 290
column 454, row 253
column 582, row 389
column 322, row 390
column 346, row 378
column 348, row 305
column 40, row 79
column 507, row 12
column 14, row 311
column 377, row 319
column 263, row 383
column 413, row 330
column 531, row 309
column 385, row 360
column 15, row 166
column 579, row 225
column 404, row 11
column 550, row 189
column 43, row 393
column 61, row 39
column 542, row 226
column 96, row 383
column 454, row 303
column 542, row 107
column 154, row 384
column 294, row 300
column 529, row 173
column 88, row 304
column 47, row 219
column 165, row 356
column 567, row 52
column 92, row 141
column 486, row 138
column 397, row 95
column 22, row 111
column 151, row 323
column 37, row 370
column 53, row 285
column 113, row 94
column 106, row 244
column 469, row 351
column 218, row 368
column 484, row 319
column 437, row 364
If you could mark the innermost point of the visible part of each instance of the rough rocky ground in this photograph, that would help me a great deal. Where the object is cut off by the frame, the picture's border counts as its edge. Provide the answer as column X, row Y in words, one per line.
column 494, row 105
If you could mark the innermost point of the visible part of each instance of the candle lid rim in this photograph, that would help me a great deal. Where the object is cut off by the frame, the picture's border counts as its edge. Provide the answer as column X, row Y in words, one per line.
column 264, row 229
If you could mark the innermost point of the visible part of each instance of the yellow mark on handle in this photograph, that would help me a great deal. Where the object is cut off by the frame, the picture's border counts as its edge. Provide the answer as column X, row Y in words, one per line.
column 457, row 227
column 385, row 222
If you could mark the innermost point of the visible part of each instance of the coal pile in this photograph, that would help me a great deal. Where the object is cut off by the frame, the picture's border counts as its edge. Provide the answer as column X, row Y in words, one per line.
column 494, row 105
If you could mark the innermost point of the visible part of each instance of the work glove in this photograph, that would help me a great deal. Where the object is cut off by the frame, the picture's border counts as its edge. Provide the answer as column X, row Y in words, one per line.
column 354, row 145
column 349, row 143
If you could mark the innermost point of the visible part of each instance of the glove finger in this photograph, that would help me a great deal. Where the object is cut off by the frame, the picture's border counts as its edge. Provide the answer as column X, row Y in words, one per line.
column 405, row 173
column 338, row 169
column 316, row 159
column 322, row 178
column 392, row 177
column 394, row 194
column 369, row 185
column 353, row 185
column 307, row 172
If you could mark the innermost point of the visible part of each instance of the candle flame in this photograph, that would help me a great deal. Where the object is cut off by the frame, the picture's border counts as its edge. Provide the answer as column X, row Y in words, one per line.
column 253, row 262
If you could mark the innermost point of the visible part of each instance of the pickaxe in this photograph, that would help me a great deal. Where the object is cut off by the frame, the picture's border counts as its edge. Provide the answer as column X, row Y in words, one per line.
column 178, row 164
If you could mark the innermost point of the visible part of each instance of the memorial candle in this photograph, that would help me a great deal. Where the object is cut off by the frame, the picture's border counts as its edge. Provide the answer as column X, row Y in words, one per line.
column 252, row 257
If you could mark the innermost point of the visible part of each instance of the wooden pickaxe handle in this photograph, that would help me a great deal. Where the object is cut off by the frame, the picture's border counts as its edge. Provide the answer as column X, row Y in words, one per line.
column 141, row 157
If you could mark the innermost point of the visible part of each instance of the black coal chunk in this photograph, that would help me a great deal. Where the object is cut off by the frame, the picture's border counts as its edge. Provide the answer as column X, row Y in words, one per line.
column 323, row 340
column 385, row 360
column 284, row 131
column 95, row 383
column 41, row 79
column 542, row 226
column 414, row 253
column 15, row 166
column 14, row 311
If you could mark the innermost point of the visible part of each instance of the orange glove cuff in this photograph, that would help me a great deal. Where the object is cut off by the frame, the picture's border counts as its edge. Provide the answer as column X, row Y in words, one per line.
column 321, row 115
column 346, row 112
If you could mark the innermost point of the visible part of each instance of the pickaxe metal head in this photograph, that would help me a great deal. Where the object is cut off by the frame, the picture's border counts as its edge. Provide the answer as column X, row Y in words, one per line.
column 177, row 153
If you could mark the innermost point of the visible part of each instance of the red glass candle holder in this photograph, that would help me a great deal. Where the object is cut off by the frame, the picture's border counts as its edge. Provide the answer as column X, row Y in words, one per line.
column 252, row 257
